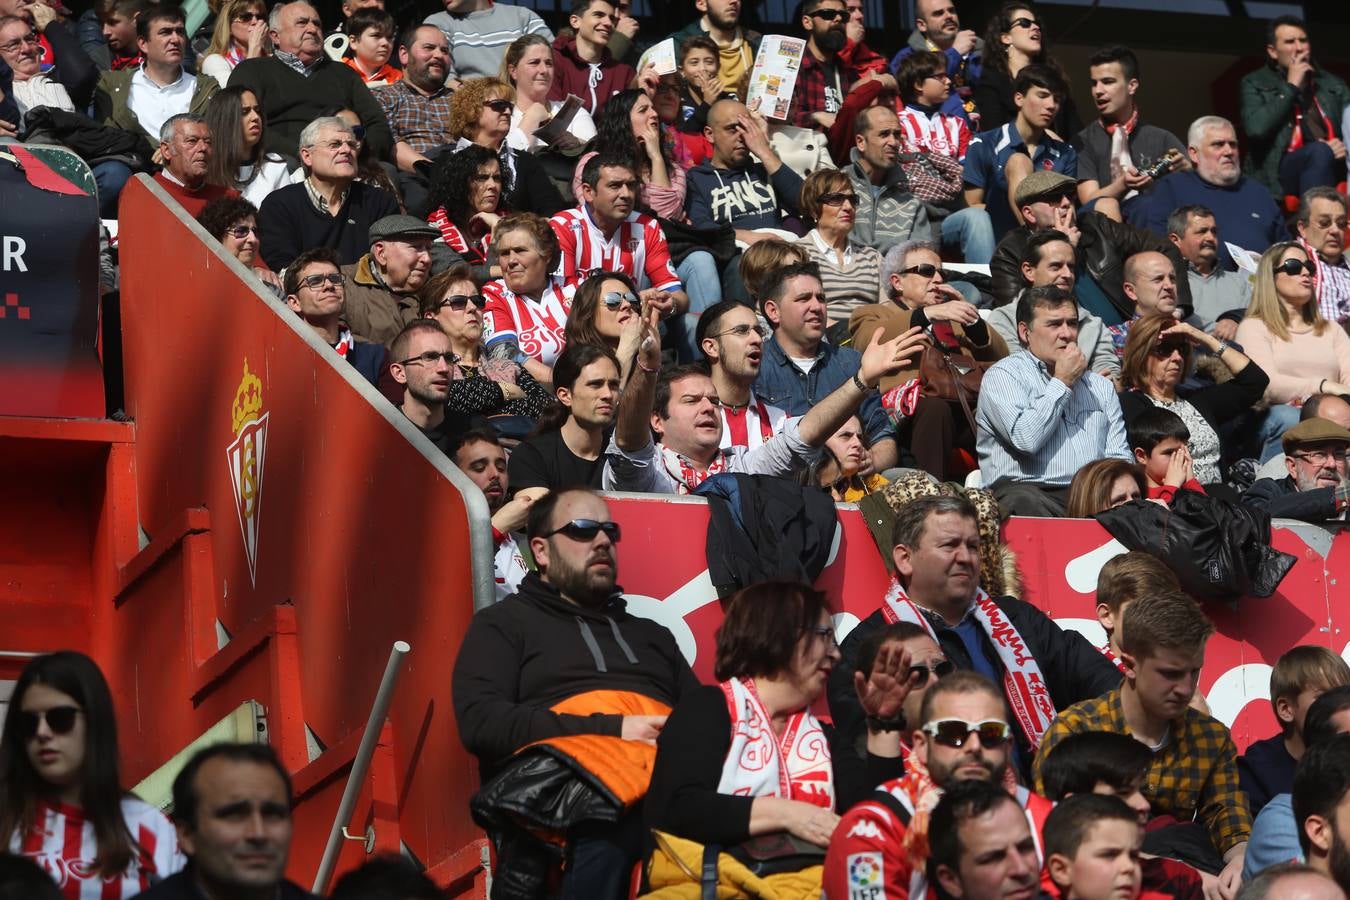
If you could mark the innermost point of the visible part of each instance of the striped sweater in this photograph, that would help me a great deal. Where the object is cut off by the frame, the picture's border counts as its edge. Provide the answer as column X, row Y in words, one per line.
column 855, row 283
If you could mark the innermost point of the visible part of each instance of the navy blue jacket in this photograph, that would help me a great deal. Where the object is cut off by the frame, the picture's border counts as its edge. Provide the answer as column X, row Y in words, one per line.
column 1246, row 213
column 1266, row 770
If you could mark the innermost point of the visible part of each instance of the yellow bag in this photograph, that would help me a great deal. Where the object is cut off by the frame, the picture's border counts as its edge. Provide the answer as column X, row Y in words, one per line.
column 674, row 873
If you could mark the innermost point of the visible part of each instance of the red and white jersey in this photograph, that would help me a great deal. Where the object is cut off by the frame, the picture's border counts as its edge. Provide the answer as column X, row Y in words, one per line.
column 63, row 844
column 456, row 240
column 922, row 132
column 535, row 325
column 638, row 249
column 753, row 426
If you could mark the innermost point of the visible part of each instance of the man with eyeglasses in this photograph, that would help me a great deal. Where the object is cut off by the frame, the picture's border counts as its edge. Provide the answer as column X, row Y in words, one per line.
column 62, row 55
column 422, row 361
column 1193, row 773
column 962, row 735
column 562, row 662
column 1321, row 223
column 290, row 103
column 185, row 146
column 732, row 340
column 1316, row 489
column 382, row 285
column 330, row 208
column 582, row 64
column 313, row 288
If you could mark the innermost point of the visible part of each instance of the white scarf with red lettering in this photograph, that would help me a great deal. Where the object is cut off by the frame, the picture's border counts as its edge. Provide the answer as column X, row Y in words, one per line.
column 1022, row 679
column 794, row 767
column 686, row 476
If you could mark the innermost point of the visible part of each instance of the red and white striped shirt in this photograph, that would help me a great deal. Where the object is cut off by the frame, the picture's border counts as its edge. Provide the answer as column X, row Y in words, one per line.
column 751, row 427
column 638, row 249
column 536, row 326
column 922, row 132
column 63, row 844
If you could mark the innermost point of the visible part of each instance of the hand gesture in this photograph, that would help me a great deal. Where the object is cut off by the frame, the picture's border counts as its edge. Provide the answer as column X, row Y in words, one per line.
column 1225, row 329
column 1299, row 69
column 649, row 338
column 891, row 357
column 957, row 309
column 813, row 824
column 1136, row 180
column 1071, row 364
column 1183, row 330
column 628, row 26
column 709, row 87
column 1179, row 468
column 1337, row 148
column 855, row 31
column 515, row 512
column 43, row 15
column 661, row 301
column 533, row 116
column 1064, row 220
column 756, row 137
column 648, row 78
column 883, row 693
column 650, row 139
column 964, row 42
column 643, row 729
column 257, row 39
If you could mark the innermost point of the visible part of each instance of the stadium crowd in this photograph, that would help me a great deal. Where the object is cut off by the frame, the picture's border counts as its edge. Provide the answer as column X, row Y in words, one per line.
column 575, row 272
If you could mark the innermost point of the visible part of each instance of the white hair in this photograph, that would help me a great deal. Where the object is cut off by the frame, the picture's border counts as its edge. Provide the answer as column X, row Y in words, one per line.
column 1196, row 133
column 171, row 124
column 897, row 256
column 311, row 132
column 274, row 17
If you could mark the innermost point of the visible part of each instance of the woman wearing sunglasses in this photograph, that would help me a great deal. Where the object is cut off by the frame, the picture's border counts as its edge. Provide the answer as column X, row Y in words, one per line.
column 606, row 313
column 234, row 222
column 1284, row 333
column 1015, row 39
column 466, row 199
column 747, row 759
column 1157, row 357
column 62, row 803
column 849, row 272
column 240, row 34
column 528, row 67
column 238, row 160
column 480, row 113
column 479, row 386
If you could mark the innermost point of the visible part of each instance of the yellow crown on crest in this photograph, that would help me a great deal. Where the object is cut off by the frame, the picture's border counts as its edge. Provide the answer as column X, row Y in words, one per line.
column 247, row 400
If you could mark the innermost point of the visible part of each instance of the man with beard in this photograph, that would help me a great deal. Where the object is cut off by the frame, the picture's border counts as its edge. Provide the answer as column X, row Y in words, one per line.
column 421, row 360
column 1321, row 223
column 566, row 450
column 314, row 290
column 479, row 454
column 417, row 107
column 1219, row 296
column 1193, row 773
column 1316, row 489
column 962, row 734
column 562, row 661
column 382, row 286
column 1322, row 807
column 732, row 340
column 185, row 147
column 1244, row 209
column 825, row 77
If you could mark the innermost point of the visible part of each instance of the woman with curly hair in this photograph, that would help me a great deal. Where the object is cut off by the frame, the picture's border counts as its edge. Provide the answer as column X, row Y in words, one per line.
column 1102, row 485
column 480, row 113
column 1016, row 39
column 238, row 160
column 234, row 222
column 466, row 199
column 240, row 34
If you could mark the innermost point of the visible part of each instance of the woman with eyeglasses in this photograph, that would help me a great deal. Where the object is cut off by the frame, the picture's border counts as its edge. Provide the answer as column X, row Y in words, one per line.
column 606, row 313
column 480, row 113
column 478, row 386
column 527, row 66
column 234, row 222
column 62, row 803
column 238, row 160
column 849, row 272
column 1284, row 333
column 1104, row 484
column 241, row 33
column 1016, row 39
column 528, row 307
column 746, row 759
column 845, row 466
column 1157, row 357
column 466, row 199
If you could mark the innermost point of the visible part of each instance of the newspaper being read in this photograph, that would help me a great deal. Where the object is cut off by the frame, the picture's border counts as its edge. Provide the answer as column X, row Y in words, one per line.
column 774, row 75
column 554, row 133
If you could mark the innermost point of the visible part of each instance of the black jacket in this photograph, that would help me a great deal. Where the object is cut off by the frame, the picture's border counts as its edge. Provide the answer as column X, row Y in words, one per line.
column 90, row 140
column 534, row 649
column 1103, row 248
column 288, row 223
column 74, row 71
column 181, row 887
column 1283, row 500
column 1074, row 670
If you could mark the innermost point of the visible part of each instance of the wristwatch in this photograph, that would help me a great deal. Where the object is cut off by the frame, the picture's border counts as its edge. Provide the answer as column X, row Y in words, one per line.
column 878, row 724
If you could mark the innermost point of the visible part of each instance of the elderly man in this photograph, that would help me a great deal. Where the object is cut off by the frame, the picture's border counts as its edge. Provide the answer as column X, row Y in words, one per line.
column 417, row 107
column 1244, row 209
column 299, row 83
column 185, row 147
column 330, row 208
column 1321, row 222
column 382, row 285
column 63, row 57
column 1316, row 489
column 1042, row 415
column 1220, row 295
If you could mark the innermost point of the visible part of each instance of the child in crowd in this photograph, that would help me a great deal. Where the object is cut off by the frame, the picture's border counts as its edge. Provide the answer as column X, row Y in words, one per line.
column 1092, row 848
column 371, row 31
column 702, row 86
column 1300, row 676
column 1123, row 579
column 1159, row 439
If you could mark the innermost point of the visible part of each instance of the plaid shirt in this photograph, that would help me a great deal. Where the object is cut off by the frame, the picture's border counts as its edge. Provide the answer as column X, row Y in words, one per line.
column 417, row 120
column 819, row 89
column 1333, row 291
column 1194, row 777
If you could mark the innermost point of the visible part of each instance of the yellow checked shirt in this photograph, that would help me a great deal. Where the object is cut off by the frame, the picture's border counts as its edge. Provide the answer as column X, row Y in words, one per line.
column 1194, row 777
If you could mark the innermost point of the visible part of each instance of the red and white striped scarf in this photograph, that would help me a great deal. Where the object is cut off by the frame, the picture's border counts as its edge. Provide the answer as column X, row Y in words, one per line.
column 686, row 476
column 795, row 766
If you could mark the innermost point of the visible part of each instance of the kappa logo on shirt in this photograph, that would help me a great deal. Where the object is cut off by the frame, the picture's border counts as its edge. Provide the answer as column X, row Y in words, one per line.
column 865, row 828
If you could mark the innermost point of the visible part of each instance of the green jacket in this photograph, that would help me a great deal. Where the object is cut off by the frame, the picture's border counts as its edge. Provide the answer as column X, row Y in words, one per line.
column 1268, row 118
column 114, row 89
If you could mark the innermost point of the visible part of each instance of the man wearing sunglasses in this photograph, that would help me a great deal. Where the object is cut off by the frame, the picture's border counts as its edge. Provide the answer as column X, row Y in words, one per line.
column 962, row 734
column 824, row 78
column 314, row 289
column 382, row 285
column 1316, row 489
column 732, row 340
column 562, row 662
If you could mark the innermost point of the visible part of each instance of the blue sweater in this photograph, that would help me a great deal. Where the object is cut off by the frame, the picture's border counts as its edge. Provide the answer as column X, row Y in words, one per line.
column 742, row 198
column 1246, row 213
column 1266, row 770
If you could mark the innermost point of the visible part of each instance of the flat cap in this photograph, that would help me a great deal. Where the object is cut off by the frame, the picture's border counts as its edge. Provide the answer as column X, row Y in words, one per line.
column 1042, row 183
column 401, row 226
column 1314, row 431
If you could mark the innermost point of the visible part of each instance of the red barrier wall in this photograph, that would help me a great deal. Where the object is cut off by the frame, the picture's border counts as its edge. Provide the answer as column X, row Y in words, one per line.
column 300, row 519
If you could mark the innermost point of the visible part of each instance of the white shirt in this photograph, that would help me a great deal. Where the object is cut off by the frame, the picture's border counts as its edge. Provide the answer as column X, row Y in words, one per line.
column 582, row 127
column 37, row 91
column 155, row 105
column 269, row 175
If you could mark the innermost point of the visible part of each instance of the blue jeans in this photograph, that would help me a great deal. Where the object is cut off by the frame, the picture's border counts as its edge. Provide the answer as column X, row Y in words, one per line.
column 973, row 229
column 1310, row 166
column 1278, row 419
column 703, row 283
column 111, row 177
column 601, row 857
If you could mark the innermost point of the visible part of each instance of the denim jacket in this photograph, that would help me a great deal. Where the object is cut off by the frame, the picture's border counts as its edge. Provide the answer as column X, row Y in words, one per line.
column 781, row 383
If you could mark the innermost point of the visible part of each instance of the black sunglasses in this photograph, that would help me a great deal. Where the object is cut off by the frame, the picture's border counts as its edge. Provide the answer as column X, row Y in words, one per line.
column 460, row 301
column 249, row 17
column 1293, row 266
column 830, row 15
column 922, row 674
column 499, row 106
column 839, row 198
column 1166, row 348
column 614, row 299
column 60, row 719
column 955, row 732
column 923, row 270
column 1024, row 22
column 586, row 530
